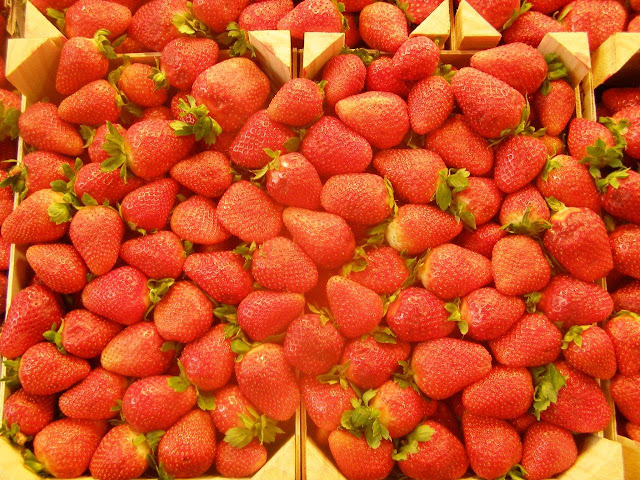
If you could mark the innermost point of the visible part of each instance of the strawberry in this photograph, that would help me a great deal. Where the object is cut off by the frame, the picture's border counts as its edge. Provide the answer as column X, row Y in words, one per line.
column 430, row 103
column 137, row 82
column 311, row 229
column 264, row 369
column 489, row 314
column 183, row 59
column 581, row 406
column 230, row 404
column 625, row 391
column 96, row 140
column 590, row 350
column 380, row 117
column 616, row 99
column 64, row 447
column 496, row 13
column 555, row 108
column 573, row 302
column 632, row 135
column 120, row 455
column 312, row 16
column 311, row 345
column 383, row 27
column 30, row 222
column 157, row 255
column 264, row 15
column 344, row 75
column 356, row 459
column 624, row 201
column 188, row 448
column 152, row 25
column 585, row 133
column 152, row 404
column 493, row 445
column 93, row 104
column 356, row 309
column 382, row 77
column 568, row 180
column 249, row 213
column 95, row 397
column 86, row 17
column 83, row 334
column 195, row 220
column 401, row 409
column 149, row 148
column 258, row 134
column 103, row 186
column 445, row 366
column 600, row 20
column 371, row 363
column 627, row 297
column 623, row 330
column 548, row 6
column 183, row 314
column 232, row 90
column 554, row 145
column 141, row 342
column 432, row 451
column 381, row 269
column 451, row 271
column 355, row 5
column 148, row 207
column 240, row 462
column 417, row 228
column 490, row 105
column 519, row 266
column 416, row 58
column 505, row 393
column 297, row 103
column 206, row 173
column 547, row 451
column 534, row 340
column 419, row 10
column 264, row 313
column 525, row 212
column 417, row 315
column 522, row 423
column 478, row 202
column 41, row 126
column 632, row 431
column 326, row 402
column 333, row 148
column 361, row 198
column 5, row 251
column 30, row 413
column 31, row 313
column 59, row 266
column 578, row 240
column 208, row 361
column 460, row 146
column 518, row 161
column 221, row 275
column 483, row 239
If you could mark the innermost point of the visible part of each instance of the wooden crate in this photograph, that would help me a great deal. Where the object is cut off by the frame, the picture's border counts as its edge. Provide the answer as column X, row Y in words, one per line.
column 617, row 60
column 471, row 31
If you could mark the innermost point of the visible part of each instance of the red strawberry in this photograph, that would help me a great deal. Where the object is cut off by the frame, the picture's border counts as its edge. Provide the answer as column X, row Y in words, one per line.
column 483, row 239
column 478, row 203
column 208, row 361
column 451, row 271
column 333, row 148
column 627, row 297
column 380, row 117
column 94, row 104
column 157, row 255
column 548, row 6
column 384, row 270
column 585, row 133
column 37, row 171
column 292, row 181
column 137, row 352
column 30, row 413
column 383, row 27
column 41, row 126
column 30, row 221
column 183, row 59
column 525, row 212
column 416, row 58
column 599, row 19
column 489, row 314
column 519, row 266
column 183, row 314
column 240, row 462
column 554, row 145
column 533, row 341
column 65, row 447
column 97, row 139
column 206, row 173
column 505, row 393
column 381, row 77
column 230, row 404
column 401, row 408
column 624, row 201
column 625, row 391
column 518, row 161
column 568, row 180
column 361, row 198
column 103, row 186
column 264, row 369
column 84, row 334
column 148, row 207
column 119, row 455
column 221, row 275
column 137, row 82
column 590, row 350
column 297, row 103
column 59, row 266
column 263, row 313
column 264, row 15
column 326, row 402
column 624, row 330
column 430, row 103
column 371, row 363
column 86, row 17
column 555, row 108
column 530, row 28
column 523, row 422
column 615, row 99
column 488, row 104
column 312, row 16
column 152, row 25
column 95, row 397
column 495, row 12
column 547, row 451
column 356, row 459
column 217, row 15
column 32, row 312
column 625, row 246
column 344, row 76
column 356, row 309
column 195, row 220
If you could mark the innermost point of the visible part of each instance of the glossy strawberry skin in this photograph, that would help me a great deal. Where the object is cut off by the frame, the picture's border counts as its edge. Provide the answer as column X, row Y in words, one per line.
column 595, row 356
column 183, row 314
column 625, row 391
column 41, row 126
column 240, row 462
column 118, row 457
column 430, row 103
column 356, row 309
column 384, row 273
column 183, row 59
column 489, row 314
column 624, row 201
column 360, row 198
column 519, row 266
column 148, row 207
column 30, row 221
column 401, row 408
column 325, row 403
column 158, row 255
column 418, row 315
column 95, row 396
column 547, row 450
column 356, row 459
column 208, row 361
column 195, row 220
column 555, row 109
column 30, row 412
column 383, row 27
column 264, row 313
column 85, row 334
column 59, row 266
column 345, row 76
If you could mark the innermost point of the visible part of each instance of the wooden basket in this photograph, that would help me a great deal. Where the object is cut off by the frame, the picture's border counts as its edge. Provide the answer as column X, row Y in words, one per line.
column 617, row 61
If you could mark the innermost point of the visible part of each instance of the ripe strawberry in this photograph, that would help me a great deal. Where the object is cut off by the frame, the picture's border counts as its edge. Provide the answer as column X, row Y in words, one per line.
column 103, row 186
column 445, row 366
column 519, row 266
column 240, row 462
column 460, row 146
column 522, row 423
column 312, row 16
column 356, row 459
column 264, row 369
column 264, row 313
column 451, row 271
column 478, row 203
column 141, row 342
column 548, row 6
column 505, row 393
column 137, row 82
column 279, row 264
column 188, row 448
column 208, row 361
column 232, row 90
column 382, row 77
column 489, row 314
column 183, row 314
column 623, row 330
column 311, row 345
column 95, row 396
column 326, row 402
column 384, row 270
column 417, row 228
column 531, row 342
column 518, row 161
column 632, row 429
column 183, row 59
column 488, row 104
column 195, row 220
column 311, row 230
column 495, row 12
column 591, row 351
column 41, row 126
column 218, row 15
column 356, row 309
column 627, row 297
column 59, row 266
column 568, row 180
column 361, row 198
column 119, row 455
column 547, row 451
column 401, row 409
column 380, row 117
column 64, row 447
column 632, row 136
column 430, row 103
column 416, row 58
column 525, row 212
column 344, row 75
column 30, row 222
column 206, row 173
column 297, row 103
column 616, row 99
column 152, row 25
column 32, row 312
column 37, row 171
column 573, row 302
column 264, row 15
column 483, row 239
column 599, row 19
column 383, row 27
column 84, row 334
column 333, row 148
column 93, row 104
column 624, row 201
column 625, row 391
column 230, row 404
column 96, row 139
column 372, row 363
column 530, row 28
column 30, row 413
column 148, row 207
column 555, row 108
column 86, row 17
column 418, row 315
column 157, row 255
column 585, row 133
column 221, row 275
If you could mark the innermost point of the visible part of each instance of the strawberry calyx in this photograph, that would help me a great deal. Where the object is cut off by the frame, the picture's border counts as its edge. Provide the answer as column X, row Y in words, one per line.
column 453, row 181
column 555, row 71
column 274, row 164
column 8, row 123
column 11, row 376
column 517, row 472
column 526, row 225
column 422, row 433
column 550, row 165
column 157, row 466
column 391, row 201
column 547, row 381
column 237, row 40
column 54, row 335
column 152, row 438
column 611, row 180
column 366, row 55
column 341, row 8
column 404, row 6
column 61, row 212
column 554, row 204
column 180, row 383
column 58, row 18
column 413, row 140
column 376, row 234
column 245, row 250
column 13, row 434
column 17, row 179
column 159, row 78
column 364, row 419
column 106, row 47
column 523, row 128
column 531, row 301
column 88, row 134
column 446, row 71
column 381, row 335
column 357, row 263
column 118, row 151
column 32, row 463
column 293, row 144
column 524, row 7
column 240, row 343
column 574, row 334
column 204, row 128
column 453, row 308
column 191, row 26
column 129, row 109
column 324, row 312
column 406, row 379
column 157, row 289
column 627, row 313
column 257, row 426
column 337, row 375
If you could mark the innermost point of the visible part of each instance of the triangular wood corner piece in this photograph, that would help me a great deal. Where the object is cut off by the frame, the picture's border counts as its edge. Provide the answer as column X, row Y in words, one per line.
column 619, row 55
column 473, row 32
column 572, row 49
column 437, row 25
column 318, row 466
column 37, row 25
column 319, row 48
column 273, row 51
column 281, row 465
